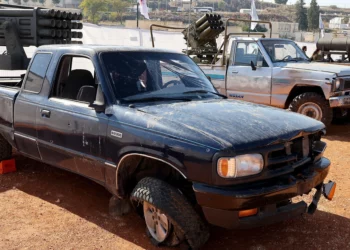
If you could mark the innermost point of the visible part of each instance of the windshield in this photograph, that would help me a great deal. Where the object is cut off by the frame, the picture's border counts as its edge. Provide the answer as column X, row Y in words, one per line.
column 146, row 75
column 284, row 51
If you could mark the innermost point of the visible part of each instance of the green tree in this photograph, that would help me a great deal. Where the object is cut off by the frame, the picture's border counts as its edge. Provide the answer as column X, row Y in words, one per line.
column 42, row 2
column 56, row 2
column 92, row 7
column 313, row 15
column 301, row 15
column 222, row 5
column 119, row 7
column 281, row 1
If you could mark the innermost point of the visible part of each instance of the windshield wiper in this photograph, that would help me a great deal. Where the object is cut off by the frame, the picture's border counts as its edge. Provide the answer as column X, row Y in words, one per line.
column 205, row 92
column 155, row 99
column 301, row 59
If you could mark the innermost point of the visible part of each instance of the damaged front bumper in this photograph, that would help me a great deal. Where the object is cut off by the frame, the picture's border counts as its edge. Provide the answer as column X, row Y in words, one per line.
column 222, row 205
column 340, row 101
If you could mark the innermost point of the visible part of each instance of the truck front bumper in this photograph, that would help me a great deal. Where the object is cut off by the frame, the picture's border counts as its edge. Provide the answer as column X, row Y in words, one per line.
column 340, row 101
column 221, row 205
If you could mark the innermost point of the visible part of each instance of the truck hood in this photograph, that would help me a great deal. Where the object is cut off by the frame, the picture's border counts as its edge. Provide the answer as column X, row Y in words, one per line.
column 340, row 70
column 225, row 124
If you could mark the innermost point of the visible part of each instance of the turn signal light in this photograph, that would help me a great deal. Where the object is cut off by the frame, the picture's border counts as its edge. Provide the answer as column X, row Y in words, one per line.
column 246, row 213
column 329, row 190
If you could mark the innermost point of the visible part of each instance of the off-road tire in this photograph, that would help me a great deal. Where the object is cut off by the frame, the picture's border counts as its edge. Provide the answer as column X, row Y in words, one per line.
column 327, row 111
column 186, row 223
column 5, row 149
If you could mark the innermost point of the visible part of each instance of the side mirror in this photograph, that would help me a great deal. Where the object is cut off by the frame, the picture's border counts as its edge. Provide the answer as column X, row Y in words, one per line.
column 252, row 65
column 87, row 94
column 99, row 107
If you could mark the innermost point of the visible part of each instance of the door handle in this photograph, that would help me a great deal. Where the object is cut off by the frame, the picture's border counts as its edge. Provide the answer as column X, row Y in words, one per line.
column 45, row 113
column 234, row 72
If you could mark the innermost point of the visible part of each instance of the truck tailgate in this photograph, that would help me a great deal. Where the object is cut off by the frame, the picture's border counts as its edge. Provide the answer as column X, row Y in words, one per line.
column 7, row 101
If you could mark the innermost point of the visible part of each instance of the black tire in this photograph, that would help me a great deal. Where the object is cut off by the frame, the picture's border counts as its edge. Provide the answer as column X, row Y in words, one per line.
column 316, row 99
column 5, row 149
column 186, row 223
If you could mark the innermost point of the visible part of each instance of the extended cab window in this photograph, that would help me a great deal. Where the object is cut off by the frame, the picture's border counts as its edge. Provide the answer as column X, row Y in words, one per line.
column 75, row 79
column 247, row 52
column 37, row 72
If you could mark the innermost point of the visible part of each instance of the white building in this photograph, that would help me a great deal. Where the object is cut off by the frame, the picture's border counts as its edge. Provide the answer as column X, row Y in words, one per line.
column 338, row 23
column 248, row 11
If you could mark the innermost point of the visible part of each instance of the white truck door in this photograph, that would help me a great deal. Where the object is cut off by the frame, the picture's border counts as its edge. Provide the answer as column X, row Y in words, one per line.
column 242, row 81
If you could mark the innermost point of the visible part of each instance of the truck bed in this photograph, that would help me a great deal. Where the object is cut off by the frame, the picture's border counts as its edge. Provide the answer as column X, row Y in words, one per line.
column 8, row 95
column 11, row 78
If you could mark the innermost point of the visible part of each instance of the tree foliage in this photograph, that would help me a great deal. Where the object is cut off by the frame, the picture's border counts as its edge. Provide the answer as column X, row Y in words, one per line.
column 281, row 1
column 301, row 15
column 92, row 7
column 313, row 15
column 119, row 7
column 42, row 2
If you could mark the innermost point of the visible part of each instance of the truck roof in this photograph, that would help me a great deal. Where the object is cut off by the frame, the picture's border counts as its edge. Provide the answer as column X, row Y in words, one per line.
column 258, row 38
column 100, row 48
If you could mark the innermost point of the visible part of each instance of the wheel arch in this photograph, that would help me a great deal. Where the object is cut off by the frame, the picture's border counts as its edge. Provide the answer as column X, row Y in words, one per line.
column 300, row 89
column 133, row 166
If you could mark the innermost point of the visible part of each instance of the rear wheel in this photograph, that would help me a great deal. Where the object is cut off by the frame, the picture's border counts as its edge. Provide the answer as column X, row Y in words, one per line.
column 170, row 219
column 5, row 149
column 312, row 105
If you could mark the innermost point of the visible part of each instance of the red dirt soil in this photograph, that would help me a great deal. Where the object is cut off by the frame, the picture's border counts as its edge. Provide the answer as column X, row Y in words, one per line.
column 42, row 207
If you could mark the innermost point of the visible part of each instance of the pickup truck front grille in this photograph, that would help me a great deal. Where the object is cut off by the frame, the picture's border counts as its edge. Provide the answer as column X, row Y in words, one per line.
column 347, row 84
column 294, row 153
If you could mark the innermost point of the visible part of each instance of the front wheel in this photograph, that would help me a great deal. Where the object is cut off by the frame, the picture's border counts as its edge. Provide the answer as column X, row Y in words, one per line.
column 169, row 217
column 312, row 105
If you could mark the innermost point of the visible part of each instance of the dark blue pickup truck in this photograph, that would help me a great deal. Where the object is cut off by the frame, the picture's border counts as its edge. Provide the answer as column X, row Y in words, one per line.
column 149, row 126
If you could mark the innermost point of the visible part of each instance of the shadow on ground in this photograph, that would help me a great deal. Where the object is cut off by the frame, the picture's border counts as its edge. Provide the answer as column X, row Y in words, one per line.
column 338, row 132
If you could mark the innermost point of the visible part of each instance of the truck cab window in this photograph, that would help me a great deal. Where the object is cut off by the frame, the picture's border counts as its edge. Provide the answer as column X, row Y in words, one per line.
column 247, row 52
column 37, row 72
column 75, row 79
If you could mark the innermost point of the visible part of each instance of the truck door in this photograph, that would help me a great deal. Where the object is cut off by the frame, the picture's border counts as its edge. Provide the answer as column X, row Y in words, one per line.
column 71, row 134
column 26, row 105
column 242, row 81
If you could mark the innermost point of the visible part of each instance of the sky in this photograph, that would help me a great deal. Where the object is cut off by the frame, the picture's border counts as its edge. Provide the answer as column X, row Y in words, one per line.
column 339, row 3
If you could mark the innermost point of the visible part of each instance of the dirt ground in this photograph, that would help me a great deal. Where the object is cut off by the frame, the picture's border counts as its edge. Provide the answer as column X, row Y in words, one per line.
column 42, row 207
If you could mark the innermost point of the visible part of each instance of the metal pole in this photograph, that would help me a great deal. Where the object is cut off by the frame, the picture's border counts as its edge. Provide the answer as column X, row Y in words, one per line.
column 137, row 15
column 189, row 23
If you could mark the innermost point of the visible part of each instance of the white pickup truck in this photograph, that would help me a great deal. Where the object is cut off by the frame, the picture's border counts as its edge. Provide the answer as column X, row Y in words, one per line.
column 276, row 72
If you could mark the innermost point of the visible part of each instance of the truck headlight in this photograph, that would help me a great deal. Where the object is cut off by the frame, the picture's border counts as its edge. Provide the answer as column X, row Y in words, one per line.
column 239, row 166
column 337, row 84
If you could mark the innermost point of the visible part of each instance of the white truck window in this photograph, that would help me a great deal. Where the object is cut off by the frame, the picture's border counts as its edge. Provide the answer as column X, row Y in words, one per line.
column 247, row 52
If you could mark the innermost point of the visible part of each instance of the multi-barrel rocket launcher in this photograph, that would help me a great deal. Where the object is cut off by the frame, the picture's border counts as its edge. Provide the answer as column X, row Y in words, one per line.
column 23, row 26
column 201, row 37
